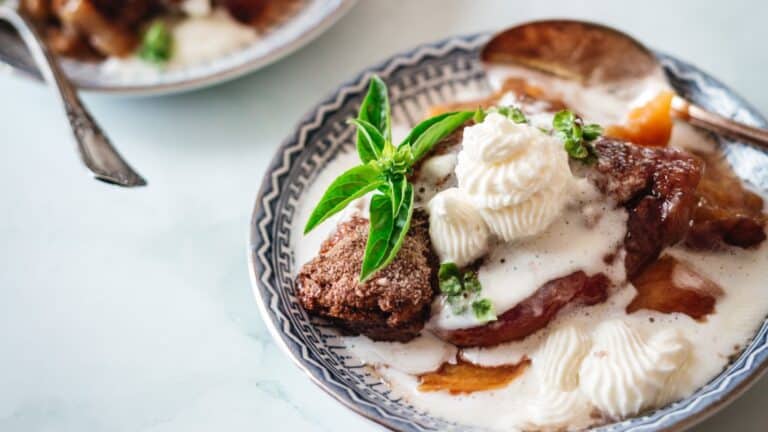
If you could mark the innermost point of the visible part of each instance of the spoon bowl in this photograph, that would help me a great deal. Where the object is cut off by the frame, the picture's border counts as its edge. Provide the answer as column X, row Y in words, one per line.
column 594, row 54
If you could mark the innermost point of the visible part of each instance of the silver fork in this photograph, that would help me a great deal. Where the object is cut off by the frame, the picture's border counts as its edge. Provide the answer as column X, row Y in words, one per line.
column 96, row 151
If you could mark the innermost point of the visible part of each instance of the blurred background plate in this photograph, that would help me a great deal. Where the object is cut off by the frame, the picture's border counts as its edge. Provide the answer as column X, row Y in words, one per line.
column 314, row 18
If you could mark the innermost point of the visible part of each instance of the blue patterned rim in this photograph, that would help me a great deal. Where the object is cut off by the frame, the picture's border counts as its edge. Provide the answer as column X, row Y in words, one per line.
column 425, row 76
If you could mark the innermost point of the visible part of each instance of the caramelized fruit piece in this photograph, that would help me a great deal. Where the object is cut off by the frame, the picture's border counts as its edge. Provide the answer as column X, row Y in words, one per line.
column 464, row 377
column 657, row 186
column 535, row 312
column 669, row 285
column 649, row 124
column 727, row 212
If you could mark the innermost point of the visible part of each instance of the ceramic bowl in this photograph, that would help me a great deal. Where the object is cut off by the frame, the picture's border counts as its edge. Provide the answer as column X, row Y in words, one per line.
column 315, row 17
column 417, row 79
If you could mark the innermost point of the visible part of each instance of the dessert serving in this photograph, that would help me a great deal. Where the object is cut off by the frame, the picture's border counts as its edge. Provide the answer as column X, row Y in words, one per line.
column 167, row 33
column 543, row 257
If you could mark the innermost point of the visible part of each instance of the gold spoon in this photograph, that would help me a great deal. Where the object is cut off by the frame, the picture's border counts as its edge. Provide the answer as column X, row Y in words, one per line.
column 595, row 54
column 95, row 149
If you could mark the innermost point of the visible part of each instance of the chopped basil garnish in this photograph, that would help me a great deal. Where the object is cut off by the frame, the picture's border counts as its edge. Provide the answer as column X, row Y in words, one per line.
column 512, row 113
column 483, row 310
column 461, row 291
column 384, row 172
column 576, row 136
column 471, row 282
column 156, row 44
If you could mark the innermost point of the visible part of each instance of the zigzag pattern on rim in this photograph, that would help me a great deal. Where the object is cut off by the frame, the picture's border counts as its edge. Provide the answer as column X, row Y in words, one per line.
column 420, row 78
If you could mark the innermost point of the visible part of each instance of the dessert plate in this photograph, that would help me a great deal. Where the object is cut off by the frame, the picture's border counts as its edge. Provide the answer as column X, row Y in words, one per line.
column 315, row 17
column 423, row 77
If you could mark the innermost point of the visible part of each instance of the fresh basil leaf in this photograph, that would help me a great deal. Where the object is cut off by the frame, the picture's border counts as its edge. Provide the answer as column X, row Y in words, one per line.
column 479, row 115
column 592, row 131
column 564, row 120
column 370, row 142
column 483, row 310
column 351, row 185
column 422, row 127
column 375, row 107
column 398, row 186
column 379, row 232
column 156, row 44
column 447, row 270
column 575, row 149
column 437, row 132
column 471, row 282
column 401, row 226
column 512, row 113
column 451, row 286
column 458, row 304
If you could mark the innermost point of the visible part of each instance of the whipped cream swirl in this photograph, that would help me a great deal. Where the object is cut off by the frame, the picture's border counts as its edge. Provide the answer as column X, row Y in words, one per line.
column 558, row 360
column 456, row 228
column 515, row 174
column 624, row 373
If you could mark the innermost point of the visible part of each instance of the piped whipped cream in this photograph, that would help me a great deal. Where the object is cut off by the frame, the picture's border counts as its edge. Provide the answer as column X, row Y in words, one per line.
column 558, row 359
column 515, row 174
column 456, row 228
column 625, row 373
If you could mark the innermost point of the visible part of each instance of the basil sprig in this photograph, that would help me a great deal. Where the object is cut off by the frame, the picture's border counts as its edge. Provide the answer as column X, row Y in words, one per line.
column 576, row 136
column 462, row 290
column 384, row 171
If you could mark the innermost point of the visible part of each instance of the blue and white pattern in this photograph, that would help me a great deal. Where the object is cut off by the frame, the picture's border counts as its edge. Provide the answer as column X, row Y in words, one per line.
column 426, row 76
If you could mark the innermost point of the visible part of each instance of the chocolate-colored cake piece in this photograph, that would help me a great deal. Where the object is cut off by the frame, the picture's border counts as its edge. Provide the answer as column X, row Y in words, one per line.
column 392, row 305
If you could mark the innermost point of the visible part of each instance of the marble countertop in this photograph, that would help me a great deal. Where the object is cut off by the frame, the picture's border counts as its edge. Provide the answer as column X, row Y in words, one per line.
column 131, row 310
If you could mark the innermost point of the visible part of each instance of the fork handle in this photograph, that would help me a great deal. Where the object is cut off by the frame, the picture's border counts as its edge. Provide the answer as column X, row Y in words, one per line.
column 96, row 151
column 718, row 124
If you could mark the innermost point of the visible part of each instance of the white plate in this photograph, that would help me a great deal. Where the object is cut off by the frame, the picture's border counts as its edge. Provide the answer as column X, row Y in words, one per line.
column 312, row 20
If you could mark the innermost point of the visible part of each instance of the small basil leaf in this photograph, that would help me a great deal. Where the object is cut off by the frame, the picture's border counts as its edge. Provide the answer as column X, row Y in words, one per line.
column 375, row 107
column 471, row 282
column 437, row 132
column 351, row 185
column 451, row 286
column 422, row 127
column 458, row 304
column 370, row 142
column 483, row 310
column 447, row 270
column 479, row 115
column 398, row 186
column 564, row 121
column 575, row 149
column 401, row 226
column 592, row 131
column 379, row 233
column 156, row 44
column 512, row 113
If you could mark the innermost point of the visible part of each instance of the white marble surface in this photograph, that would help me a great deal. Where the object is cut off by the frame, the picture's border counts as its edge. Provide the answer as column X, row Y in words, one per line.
column 132, row 311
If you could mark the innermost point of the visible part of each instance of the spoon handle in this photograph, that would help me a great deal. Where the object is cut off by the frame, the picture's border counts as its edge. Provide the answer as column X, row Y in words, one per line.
column 718, row 124
column 94, row 147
